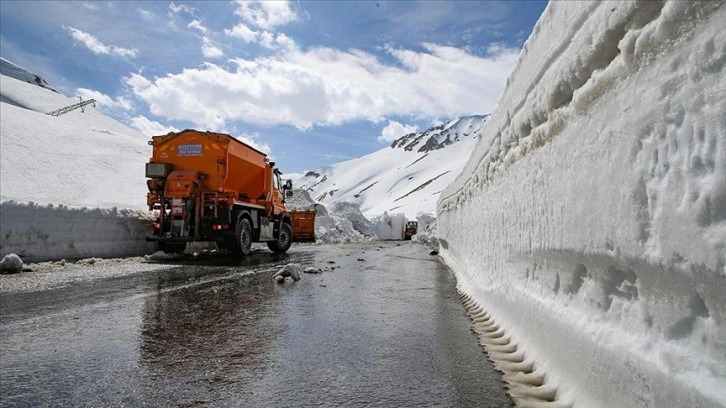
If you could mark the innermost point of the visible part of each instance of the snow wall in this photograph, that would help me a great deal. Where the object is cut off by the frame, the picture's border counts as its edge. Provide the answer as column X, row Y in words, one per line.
column 40, row 233
column 389, row 226
column 338, row 222
column 590, row 221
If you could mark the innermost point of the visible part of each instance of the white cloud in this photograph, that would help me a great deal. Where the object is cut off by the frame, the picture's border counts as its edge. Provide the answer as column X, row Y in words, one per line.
column 284, row 42
column 395, row 130
column 209, row 50
column 179, row 8
column 104, row 100
column 253, row 140
column 265, row 14
column 243, row 32
column 197, row 25
column 325, row 86
column 90, row 5
column 97, row 47
column 267, row 39
column 145, row 14
column 149, row 127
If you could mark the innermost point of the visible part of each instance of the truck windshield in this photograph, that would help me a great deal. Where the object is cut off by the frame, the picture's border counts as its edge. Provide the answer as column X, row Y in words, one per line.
column 276, row 181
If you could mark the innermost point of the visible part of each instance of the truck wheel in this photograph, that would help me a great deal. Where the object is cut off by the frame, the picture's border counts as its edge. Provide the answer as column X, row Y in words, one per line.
column 283, row 241
column 171, row 247
column 244, row 237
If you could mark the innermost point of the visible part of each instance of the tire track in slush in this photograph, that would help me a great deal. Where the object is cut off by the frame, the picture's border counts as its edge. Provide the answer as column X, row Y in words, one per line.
column 526, row 383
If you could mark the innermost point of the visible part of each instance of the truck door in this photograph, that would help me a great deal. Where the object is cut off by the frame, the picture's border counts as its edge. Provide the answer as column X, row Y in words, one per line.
column 278, row 205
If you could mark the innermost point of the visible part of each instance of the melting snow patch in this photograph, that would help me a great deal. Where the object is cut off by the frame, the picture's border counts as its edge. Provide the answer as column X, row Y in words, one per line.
column 163, row 256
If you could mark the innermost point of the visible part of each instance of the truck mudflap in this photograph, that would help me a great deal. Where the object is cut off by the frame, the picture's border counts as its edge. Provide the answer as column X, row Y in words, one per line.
column 303, row 225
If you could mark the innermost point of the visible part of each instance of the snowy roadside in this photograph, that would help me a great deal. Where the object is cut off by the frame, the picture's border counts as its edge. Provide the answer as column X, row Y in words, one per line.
column 40, row 233
column 51, row 275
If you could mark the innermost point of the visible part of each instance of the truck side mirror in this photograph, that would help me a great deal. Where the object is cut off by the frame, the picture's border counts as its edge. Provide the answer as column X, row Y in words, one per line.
column 288, row 193
column 288, row 185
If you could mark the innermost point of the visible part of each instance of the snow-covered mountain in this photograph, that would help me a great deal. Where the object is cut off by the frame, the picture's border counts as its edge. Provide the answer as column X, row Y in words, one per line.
column 9, row 69
column 405, row 177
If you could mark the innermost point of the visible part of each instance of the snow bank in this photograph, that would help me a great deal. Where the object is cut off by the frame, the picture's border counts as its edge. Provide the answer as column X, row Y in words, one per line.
column 333, row 228
column 590, row 222
column 39, row 233
column 426, row 228
column 389, row 226
column 337, row 223
column 300, row 200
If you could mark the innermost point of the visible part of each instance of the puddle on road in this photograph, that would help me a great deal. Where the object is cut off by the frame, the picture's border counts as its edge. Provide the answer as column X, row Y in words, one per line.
column 388, row 330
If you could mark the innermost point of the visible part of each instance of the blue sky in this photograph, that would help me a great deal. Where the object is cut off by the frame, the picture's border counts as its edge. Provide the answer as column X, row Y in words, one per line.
column 311, row 82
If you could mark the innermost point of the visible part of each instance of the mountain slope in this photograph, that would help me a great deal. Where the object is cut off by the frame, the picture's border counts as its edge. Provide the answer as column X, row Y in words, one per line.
column 406, row 177
column 86, row 159
column 9, row 69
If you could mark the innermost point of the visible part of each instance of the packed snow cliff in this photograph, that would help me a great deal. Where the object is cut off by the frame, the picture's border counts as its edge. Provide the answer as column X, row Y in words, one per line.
column 590, row 222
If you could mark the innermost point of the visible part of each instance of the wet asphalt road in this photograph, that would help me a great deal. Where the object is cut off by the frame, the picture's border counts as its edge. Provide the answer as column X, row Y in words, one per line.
column 384, row 328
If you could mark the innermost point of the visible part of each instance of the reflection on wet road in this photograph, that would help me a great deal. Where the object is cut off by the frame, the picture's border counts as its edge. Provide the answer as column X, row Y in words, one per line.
column 384, row 328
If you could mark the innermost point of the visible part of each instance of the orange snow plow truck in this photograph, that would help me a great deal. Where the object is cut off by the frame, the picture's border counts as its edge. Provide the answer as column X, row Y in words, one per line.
column 212, row 187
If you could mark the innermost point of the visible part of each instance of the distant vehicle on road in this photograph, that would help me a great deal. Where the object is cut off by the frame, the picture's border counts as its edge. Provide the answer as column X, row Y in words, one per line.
column 411, row 230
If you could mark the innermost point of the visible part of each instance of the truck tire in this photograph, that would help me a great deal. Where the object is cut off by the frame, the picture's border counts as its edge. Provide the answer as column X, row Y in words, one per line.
column 283, row 241
column 172, row 247
column 244, row 237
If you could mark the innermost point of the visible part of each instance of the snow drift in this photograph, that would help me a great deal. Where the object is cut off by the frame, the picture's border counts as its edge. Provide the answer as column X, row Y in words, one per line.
column 590, row 221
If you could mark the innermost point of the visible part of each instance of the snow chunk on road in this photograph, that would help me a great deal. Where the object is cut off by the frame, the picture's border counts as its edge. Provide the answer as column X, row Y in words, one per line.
column 163, row 256
column 291, row 270
column 11, row 263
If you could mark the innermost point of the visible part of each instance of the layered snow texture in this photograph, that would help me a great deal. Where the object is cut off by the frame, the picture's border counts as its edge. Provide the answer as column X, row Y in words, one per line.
column 406, row 177
column 40, row 233
column 590, row 221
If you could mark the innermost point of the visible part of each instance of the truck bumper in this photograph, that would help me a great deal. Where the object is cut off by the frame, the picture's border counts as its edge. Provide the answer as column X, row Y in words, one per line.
column 154, row 238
